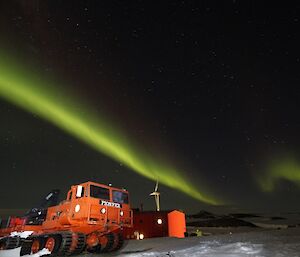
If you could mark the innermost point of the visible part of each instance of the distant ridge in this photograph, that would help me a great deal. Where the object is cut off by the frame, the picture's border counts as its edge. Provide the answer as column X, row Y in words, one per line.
column 208, row 219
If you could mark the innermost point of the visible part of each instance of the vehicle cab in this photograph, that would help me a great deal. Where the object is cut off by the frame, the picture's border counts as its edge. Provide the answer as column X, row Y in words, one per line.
column 94, row 204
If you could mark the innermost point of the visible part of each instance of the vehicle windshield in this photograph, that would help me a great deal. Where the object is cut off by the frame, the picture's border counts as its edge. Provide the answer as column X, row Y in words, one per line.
column 99, row 192
column 120, row 197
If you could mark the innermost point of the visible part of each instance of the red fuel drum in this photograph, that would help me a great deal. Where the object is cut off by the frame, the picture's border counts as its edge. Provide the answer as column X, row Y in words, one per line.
column 176, row 224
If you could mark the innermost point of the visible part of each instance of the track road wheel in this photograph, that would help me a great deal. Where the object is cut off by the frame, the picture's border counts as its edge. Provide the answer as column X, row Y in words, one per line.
column 92, row 243
column 37, row 244
column 52, row 243
column 94, row 249
column 107, row 242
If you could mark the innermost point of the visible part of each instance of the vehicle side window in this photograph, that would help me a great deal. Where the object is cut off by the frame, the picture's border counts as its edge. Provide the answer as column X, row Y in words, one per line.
column 99, row 192
column 120, row 197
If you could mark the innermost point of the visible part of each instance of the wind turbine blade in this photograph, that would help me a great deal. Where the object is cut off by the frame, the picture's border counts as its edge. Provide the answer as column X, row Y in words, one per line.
column 156, row 186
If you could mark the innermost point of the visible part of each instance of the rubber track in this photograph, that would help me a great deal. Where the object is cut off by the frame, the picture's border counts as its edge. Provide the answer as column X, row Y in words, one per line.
column 110, row 243
column 11, row 242
column 66, row 242
column 120, row 242
column 80, row 244
column 26, row 246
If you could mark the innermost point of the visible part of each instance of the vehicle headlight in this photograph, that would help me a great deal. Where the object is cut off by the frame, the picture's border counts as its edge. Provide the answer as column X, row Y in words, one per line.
column 121, row 213
column 103, row 210
column 159, row 221
column 77, row 208
column 141, row 236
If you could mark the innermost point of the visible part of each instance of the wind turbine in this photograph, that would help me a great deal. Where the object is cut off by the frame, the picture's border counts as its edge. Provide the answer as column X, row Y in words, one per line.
column 156, row 195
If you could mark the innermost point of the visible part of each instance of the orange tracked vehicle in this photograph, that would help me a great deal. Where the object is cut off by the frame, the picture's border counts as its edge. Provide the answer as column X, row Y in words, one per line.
column 90, row 218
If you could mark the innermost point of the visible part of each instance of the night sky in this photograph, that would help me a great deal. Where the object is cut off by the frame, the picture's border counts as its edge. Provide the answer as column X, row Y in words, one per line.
column 211, row 86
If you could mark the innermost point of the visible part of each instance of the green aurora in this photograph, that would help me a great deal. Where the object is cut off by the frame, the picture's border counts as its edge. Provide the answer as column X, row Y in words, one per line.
column 39, row 96
column 285, row 169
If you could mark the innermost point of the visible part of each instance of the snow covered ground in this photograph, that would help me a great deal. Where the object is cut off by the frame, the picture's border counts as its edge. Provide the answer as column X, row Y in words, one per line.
column 276, row 243
column 260, row 243
column 16, row 253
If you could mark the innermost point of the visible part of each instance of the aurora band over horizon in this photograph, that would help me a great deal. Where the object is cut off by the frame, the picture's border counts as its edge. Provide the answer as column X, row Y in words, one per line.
column 39, row 96
column 281, row 169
